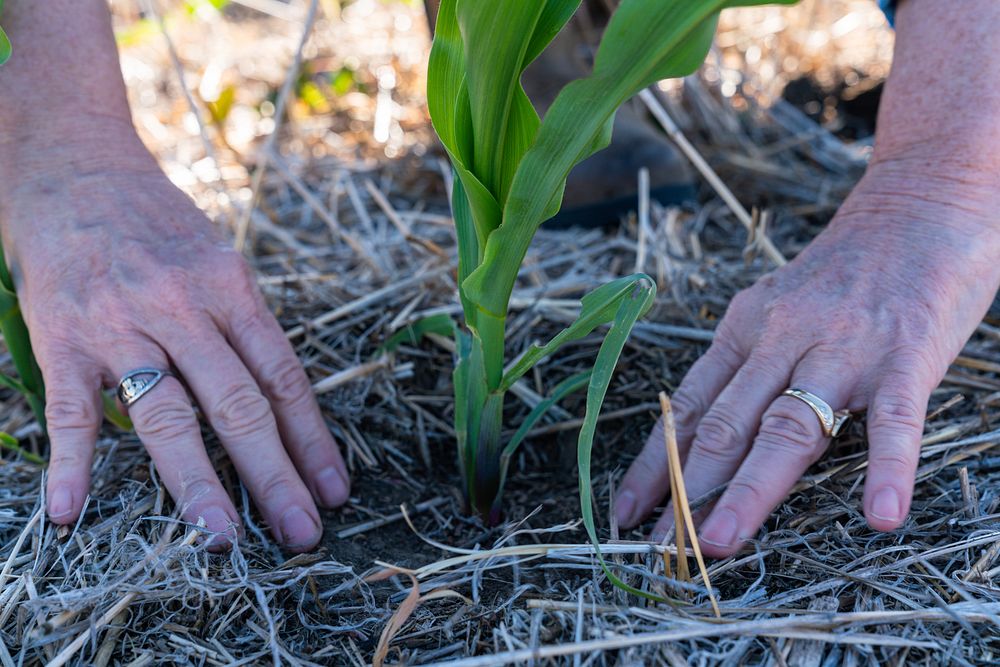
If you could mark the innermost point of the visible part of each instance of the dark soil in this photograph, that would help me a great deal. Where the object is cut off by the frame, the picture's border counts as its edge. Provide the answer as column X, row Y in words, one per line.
column 543, row 487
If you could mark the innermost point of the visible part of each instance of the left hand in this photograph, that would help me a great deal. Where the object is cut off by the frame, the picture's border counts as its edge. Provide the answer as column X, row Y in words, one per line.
column 869, row 316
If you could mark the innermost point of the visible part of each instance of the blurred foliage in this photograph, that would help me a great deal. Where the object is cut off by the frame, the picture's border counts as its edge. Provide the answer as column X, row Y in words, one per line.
column 220, row 108
column 136, row 33
column 195, row 6
column 9, row 442
column 344, row 81
column 315, row 89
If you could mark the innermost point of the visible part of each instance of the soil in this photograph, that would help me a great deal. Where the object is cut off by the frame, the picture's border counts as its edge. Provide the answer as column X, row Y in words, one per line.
column 545, row 490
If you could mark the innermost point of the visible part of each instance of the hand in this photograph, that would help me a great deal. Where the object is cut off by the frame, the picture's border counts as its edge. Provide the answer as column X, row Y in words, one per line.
column 116, row 269
column 870, row 315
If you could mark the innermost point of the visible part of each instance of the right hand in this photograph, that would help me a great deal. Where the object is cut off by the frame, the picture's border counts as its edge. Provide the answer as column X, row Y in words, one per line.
column 116, row 269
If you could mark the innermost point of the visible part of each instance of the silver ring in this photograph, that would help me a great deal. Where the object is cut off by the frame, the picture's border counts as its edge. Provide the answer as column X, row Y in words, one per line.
column 136, row 384
column 831, row 422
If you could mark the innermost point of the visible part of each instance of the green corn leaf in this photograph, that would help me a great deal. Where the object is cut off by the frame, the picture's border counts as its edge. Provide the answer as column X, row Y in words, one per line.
column 113, row 414
column 597, row 308
column 468, row 242
column 469, row 380
column 629, row 311
column 561, row 391
column 9, row 442
column 413, row 333
column 484, row 485
column 5, row 48
column 13, row 384
column 504, row 122
column 15, row 336
column 448, row 103
column 646, row 40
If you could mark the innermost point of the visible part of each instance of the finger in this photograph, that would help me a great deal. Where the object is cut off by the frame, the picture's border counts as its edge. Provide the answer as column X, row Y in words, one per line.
column 73, row 416
column 265, row 350
column 165, row 421
column 647, row 480
column 895, row 427
column 723, row 435
column 242, row 418
column 790, row 439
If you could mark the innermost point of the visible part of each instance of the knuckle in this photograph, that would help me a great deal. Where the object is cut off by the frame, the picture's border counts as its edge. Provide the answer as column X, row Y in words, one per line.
column 788, row 435
column 896, row 412
column 68, row 459
column 169, row 419
column 245, row 319
column 896, row 462
column 242, row 411
column 746, row 491
column 235, row 271
column 718, row 438
column 70, row 413
column 912, row 361
column 174, row 288
column 196, row 488
column 778, row 313
column 277, row 486
column 231, row 264
column 176, row 294
column 744, row 301
column 687, row 409
column 286, row 382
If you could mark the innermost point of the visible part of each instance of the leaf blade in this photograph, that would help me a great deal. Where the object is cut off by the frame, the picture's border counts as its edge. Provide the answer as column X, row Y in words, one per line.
column 596, row 308
column 628, row 313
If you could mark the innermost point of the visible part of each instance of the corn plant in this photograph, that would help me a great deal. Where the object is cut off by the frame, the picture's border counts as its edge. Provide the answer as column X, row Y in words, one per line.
column 510, row 169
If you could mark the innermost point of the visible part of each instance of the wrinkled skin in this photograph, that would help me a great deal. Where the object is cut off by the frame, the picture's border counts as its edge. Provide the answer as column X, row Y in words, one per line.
column 149, row 284
column 867, row 317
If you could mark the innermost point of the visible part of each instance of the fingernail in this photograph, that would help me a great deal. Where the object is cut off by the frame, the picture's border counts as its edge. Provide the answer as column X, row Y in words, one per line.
column 721, row 528
column 60, row 503
column 624, row 508
column 217, row 520
column 298, row 529
column 885, row 505
column 331, row 487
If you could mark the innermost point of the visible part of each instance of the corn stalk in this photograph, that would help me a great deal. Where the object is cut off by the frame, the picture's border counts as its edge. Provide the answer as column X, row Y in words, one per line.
column 510, row 171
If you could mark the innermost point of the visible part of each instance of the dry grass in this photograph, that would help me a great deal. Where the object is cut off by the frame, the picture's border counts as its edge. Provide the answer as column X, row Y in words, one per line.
column 350, row 248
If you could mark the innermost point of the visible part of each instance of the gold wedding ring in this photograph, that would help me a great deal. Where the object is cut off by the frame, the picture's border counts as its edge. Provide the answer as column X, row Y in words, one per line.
column 831, row 422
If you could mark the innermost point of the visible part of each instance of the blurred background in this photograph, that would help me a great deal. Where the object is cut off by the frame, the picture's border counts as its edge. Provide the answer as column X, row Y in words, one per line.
column 204, row 77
